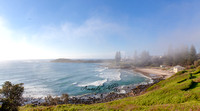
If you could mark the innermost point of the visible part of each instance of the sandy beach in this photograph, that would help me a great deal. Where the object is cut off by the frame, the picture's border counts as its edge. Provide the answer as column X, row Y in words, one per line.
column 158, row 72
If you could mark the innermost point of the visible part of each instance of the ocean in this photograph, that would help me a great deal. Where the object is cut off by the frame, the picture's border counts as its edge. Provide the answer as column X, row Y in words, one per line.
column 42, row 77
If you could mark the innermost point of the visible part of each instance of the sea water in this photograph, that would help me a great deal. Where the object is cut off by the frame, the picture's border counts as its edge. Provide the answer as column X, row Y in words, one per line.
column 42, row 77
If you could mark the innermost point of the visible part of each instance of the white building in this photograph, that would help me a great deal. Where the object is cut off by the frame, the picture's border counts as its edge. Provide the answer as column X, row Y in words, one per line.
column 178, row 68
column 162, row 66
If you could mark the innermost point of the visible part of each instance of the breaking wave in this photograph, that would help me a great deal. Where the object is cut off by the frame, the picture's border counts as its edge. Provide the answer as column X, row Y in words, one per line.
column 95, row 83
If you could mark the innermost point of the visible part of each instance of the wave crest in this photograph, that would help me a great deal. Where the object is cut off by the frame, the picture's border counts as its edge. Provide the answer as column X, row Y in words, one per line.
column 95, row 83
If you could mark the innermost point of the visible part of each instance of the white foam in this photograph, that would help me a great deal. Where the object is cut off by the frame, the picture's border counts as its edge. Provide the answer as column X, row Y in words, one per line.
column 95, row 83
column 150, row 79
column 74, row 83
column 112, row 75
column 101, row 69
column 122, row 91
column 106, row 75
column 36, row 91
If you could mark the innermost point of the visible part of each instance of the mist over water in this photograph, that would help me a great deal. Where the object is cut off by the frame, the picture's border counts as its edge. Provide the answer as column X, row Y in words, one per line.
column 42, row 77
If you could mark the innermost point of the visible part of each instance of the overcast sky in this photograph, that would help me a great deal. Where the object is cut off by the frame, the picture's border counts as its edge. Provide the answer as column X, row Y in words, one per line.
column 38, row 29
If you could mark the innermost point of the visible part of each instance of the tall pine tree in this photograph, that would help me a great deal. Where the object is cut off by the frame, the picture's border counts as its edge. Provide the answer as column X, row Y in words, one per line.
column 192, row 55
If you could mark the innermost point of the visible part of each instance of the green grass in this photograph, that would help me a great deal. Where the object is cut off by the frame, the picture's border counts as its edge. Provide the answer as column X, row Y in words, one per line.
column 180, row 92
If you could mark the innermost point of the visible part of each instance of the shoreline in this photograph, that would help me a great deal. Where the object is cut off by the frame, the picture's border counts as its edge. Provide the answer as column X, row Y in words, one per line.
column 130, row 90
column 151, row 72
column 92, row 98
column 154, row 72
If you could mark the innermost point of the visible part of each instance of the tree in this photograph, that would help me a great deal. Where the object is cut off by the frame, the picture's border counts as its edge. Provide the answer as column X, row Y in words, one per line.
column 181, row 56
column 12, row 96
column 145, row 58
column 170, row 56
column 118, row 57
column 135, row 58
column 156, row 61
column 192, row 55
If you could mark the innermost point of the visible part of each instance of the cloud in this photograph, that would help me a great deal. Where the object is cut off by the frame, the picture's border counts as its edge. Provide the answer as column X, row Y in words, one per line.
column 14, row 45
column 86, row 40
column 82, row 39
column 92, row 28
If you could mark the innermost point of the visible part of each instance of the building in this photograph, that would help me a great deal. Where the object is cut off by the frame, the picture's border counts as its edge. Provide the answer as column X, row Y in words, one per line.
column 162, row 66
column 178, row 68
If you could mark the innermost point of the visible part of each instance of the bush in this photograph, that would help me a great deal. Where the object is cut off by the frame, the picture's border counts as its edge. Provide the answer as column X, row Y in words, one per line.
column 190, row 76
column 49, row 100
column 52, row 101
column 192, row 67
column 197, row 80
column 12, row 96
column 8, row 105
column 197, row 71
column 197, row 63
column 181, row 72
column 65, row 98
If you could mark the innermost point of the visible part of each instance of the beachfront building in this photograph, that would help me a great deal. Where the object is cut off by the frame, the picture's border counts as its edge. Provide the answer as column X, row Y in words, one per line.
column 178, row 68
column 162, row 66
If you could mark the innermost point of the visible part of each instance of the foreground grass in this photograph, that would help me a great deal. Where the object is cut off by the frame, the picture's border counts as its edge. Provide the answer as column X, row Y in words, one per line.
column 180, row 92
column 165, row 107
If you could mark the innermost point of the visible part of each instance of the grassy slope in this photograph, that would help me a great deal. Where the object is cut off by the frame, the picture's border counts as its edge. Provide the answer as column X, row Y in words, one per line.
column 182, row 92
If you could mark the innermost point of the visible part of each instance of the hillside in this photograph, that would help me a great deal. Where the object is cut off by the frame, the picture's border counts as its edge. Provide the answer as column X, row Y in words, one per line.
column 179, row 92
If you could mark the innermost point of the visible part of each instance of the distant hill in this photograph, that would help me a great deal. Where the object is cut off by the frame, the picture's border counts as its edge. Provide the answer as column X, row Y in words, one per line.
column 62, row 60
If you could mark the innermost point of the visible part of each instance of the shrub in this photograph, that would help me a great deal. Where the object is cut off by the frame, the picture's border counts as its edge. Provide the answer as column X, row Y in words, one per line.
column 181, row 72
column 65, row 98
column 197, row 71
column 52, row 101
column 197, row 63
column 12, row 96
column 8, row 105
column 192, row 67
column 190, row 76
column 198, row 80
column 49, row 100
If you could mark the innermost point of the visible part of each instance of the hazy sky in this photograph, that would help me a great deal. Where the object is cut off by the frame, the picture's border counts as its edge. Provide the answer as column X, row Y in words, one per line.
column 33, row 29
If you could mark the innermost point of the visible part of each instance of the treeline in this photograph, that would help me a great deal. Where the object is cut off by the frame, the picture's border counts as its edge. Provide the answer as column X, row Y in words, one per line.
column 184, row 56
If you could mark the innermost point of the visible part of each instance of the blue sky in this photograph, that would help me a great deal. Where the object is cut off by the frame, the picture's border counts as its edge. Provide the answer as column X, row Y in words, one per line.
column 33, row 29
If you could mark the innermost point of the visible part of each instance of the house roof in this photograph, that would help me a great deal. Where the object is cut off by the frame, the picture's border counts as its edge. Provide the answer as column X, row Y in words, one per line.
column 178, row 66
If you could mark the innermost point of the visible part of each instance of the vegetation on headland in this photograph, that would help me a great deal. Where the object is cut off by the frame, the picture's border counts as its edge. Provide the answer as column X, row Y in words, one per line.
column 183, row 56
